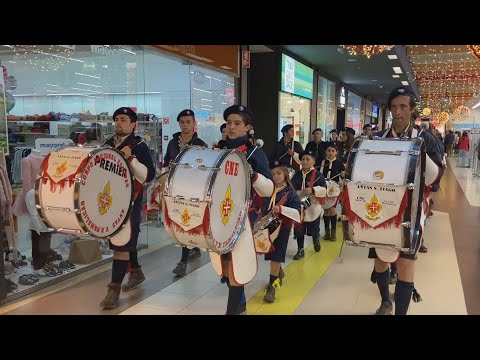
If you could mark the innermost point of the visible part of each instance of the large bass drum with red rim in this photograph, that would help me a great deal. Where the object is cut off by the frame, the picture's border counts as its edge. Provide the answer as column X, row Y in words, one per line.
column 85, row 190
column 206, row 198
column 383, row 195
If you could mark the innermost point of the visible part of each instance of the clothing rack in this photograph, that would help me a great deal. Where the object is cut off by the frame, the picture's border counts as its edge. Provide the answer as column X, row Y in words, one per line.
column 3, row 282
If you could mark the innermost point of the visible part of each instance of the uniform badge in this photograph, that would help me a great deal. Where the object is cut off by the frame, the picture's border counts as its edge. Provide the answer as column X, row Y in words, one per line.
column 401, row 90
column 241, row 108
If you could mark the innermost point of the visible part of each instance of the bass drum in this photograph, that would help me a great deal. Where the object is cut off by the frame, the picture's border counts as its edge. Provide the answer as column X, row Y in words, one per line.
column 383, row 195
column 85, row 190
column 155, row 192
column 206, row 198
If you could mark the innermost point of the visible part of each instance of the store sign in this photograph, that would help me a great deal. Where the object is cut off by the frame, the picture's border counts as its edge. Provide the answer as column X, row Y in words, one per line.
column 3, row 118
column 223, row 57
column 47, row 145
column 296, row 78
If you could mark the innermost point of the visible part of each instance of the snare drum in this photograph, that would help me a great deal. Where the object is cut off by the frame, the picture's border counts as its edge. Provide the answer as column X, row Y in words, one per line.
column 333, row 191
column 206, row 198
column 384, row 194
column 85, row 190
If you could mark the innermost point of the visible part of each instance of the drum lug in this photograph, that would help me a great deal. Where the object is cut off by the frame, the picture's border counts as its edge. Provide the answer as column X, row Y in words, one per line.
column 203, row 167
column 179, row 197
column 69, row 231
column 194, row 199
column 410, row 186
column 405, row 224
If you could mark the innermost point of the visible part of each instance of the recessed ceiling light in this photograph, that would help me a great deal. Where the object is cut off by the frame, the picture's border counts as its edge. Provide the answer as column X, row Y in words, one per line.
column 395, row 76
column 397, row 70
column 352, row 60
column 392, row 57
column 405, row 83
column 373, row 80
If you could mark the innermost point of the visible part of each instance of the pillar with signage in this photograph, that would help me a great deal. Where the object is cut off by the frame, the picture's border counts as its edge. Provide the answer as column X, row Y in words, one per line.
column 280, row 91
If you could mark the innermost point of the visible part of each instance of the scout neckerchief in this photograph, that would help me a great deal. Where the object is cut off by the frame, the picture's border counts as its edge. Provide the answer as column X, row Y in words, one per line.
column 329, row 173
column 274, row 196
column 304, row 176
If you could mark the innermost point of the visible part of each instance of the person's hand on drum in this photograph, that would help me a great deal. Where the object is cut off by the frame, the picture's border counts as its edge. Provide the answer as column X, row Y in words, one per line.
column 276, row 209
column 307, row 191
column 127, row 151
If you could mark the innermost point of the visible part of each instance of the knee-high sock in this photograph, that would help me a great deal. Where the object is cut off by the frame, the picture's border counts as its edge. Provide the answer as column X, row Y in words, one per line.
column 333, row 221
column 134, row 260
column 382, row 283
column 119, row 269
column 185, row 252
column 234, row 299
column 326, row 221
column 403, row 294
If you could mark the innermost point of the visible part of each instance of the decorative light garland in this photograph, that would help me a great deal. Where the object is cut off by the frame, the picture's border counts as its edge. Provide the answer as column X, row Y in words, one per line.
column 367, row 50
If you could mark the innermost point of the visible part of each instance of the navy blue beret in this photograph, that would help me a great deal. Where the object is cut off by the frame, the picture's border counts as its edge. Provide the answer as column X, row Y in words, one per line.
column 126, row 111
column 286, row 128
column 401, row 90
column 240, row 110
column 186, row 112
column 313, row 154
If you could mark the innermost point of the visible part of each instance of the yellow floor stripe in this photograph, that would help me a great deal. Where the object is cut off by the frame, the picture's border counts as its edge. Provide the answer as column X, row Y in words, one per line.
column 300, row 277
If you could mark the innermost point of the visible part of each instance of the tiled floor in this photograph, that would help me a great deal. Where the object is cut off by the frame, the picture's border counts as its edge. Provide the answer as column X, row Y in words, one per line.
column 470, row 184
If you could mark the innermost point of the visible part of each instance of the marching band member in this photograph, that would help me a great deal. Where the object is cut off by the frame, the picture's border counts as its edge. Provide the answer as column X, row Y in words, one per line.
column 141, row 163
column 334, row 139
column 287, row 150
column 308, row 182
column 331, row 168
column 401, row 102
column 221, row 143
column 283, row 201
column 318, row 146
column 239, row 122
column 187, row 136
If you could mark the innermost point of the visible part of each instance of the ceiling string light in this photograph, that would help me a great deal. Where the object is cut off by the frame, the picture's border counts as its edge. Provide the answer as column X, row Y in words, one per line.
column 367, row 50
column 43, row 57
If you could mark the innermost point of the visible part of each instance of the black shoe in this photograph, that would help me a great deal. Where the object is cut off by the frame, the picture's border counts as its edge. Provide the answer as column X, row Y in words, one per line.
column 299, row 255
column 316, row 244
column 327, row 235
column 181, row 268
column 423, row 249
column 194, row 253
column 333, row 235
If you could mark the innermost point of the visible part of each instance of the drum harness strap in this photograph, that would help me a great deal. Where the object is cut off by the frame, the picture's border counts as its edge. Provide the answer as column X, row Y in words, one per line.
column 415, row 295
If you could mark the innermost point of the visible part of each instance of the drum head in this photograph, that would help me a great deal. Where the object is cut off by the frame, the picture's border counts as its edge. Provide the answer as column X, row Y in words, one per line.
column 105, row 194
column 230, row 198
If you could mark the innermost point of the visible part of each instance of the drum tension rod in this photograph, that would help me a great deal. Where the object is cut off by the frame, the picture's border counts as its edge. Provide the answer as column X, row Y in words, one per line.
column 53, row 208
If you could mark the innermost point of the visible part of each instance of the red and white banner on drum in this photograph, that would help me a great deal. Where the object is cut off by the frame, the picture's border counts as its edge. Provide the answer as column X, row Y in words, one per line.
column 375, row 205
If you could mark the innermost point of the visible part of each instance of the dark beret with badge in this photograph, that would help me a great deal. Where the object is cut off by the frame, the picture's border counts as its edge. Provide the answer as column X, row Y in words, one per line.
column 313, row 154
column 240, row 110
column 275, row 163
column 186, row 112
column 399, row 91
column 126, row 111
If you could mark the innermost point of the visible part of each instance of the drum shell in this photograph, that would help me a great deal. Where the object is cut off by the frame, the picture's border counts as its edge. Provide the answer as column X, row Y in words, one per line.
column 375, row 164
column 221, row 181
column 87, row 203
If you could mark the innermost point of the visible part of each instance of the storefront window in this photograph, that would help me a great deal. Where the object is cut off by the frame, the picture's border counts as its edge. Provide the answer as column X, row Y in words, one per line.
column 54, row 93
column 354, row 113
column 295, row 110
column 326, row 108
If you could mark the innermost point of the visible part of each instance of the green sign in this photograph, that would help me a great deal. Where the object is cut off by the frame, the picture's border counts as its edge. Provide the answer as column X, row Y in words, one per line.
column 296, row 78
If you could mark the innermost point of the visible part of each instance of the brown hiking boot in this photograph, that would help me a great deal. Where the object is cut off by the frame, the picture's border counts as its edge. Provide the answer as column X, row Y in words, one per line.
column 384, row 309
column 269, row 295
column 135, row 278
column 111, row 300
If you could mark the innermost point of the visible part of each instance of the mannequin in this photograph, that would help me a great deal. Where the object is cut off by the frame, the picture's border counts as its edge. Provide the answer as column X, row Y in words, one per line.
column 30, row 169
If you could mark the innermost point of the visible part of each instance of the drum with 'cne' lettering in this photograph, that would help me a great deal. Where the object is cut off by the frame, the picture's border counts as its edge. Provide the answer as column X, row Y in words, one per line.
column 206, row 198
